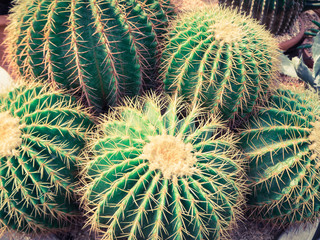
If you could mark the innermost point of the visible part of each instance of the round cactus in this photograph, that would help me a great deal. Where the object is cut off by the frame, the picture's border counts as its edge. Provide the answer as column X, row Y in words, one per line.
column 160, row 176
column 41, row 135
column 282, row 144
column 99, row 49
column 277, row 16
column 219, row 58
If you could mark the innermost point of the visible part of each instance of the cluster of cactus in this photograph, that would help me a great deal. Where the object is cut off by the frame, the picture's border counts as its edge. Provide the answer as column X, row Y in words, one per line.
column 160, row 176
column 101, row 50
column 220, row 59
column 157, row 167
column 277, row 16
column 282, row 144
column 42, row 133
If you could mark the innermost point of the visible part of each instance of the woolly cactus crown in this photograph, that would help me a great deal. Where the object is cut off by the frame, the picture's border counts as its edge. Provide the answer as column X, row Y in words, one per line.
column 220, row 59
column 156, row 175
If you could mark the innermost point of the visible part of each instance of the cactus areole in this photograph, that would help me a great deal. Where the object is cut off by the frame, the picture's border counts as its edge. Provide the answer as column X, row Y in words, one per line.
column 277, row 16
column 41, row 135
column 155, row 176
column 283, row 145
column 220, row 59
column 170, row 155
column 101, row 50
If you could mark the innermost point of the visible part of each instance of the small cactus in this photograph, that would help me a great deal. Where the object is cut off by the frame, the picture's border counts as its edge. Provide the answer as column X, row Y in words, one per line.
column 99, row 49
column 41, row 135
column 160, row 176
column 282, row 144
column 219, row 58
column 277, row 16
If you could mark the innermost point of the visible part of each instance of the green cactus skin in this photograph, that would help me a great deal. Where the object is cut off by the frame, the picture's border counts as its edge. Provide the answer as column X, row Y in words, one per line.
column 101, row 50
column 155, row 176
column 41, row 135
column 282, row 144
column 159, row 12
column 277, row 16
column 219, row 58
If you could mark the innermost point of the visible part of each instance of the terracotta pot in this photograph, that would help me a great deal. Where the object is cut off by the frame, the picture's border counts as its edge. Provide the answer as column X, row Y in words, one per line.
column 295, row 40
column 3, row 24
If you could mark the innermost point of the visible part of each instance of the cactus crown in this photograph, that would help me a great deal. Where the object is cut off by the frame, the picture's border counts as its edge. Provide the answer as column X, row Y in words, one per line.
column 10, row 134
column 170, row 155
column 224, row 31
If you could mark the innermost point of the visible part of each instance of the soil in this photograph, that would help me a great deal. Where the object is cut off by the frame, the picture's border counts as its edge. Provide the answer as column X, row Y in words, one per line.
column 307, row 18
column 287, row 80
column 253, row 230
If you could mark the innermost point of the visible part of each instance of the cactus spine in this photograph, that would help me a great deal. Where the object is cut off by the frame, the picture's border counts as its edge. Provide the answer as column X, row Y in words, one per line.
column 220, row 59
column 156, row 176
column 99, row 49
column 282, row 143
column 277, row 16
column 41, row 135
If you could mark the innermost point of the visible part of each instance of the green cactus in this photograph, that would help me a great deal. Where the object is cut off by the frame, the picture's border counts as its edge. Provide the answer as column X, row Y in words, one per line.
column 277, row 16
column 41, row 135
column 282, row 144
column 154, row 175
column 99, row 49
column 219, row 58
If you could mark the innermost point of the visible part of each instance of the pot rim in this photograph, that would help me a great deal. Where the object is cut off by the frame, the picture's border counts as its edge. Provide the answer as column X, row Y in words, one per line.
column 294, row 40
column 3, row 20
